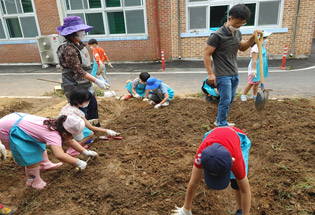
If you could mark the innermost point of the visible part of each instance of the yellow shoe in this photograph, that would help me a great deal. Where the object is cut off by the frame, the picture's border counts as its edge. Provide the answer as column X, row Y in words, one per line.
column 5, row 211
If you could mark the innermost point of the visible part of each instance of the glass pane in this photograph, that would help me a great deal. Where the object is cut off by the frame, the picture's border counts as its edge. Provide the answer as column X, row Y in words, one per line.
column 29, row 26
column 85, row 4
column 76, row 4
column 132, row 2
column 19, row 6
column 2, row 35
column 11, row 9
column 14, row 27
column 67, row 4
column 95, row 20
column 112, row 3
column 78, row 14
column 116, row 22
column 197, row 16
column 3, row 8
column 95, row 3
column 27, row 6
column 268, row 13
column 251, row 20
column 218, row 16
column 135, row 21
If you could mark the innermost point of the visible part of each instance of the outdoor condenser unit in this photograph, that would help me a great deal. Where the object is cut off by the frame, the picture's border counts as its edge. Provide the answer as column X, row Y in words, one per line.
column 47, row 46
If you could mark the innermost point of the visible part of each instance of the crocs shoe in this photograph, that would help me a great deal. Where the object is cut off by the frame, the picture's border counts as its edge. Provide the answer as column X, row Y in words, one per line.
column 165, row 104
column 5, row 211
column 243, row 98
column 128, row 97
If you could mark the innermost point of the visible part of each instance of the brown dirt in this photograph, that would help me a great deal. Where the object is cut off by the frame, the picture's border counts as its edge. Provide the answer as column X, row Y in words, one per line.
column 147, row 172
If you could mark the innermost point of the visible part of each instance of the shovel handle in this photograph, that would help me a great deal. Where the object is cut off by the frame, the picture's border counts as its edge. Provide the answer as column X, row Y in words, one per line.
column 261, row 67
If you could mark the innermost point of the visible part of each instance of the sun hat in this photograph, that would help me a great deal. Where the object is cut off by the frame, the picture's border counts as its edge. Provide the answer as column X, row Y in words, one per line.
column 72, row 24
column 74, row 125
column 153, row 83
column 217, row 163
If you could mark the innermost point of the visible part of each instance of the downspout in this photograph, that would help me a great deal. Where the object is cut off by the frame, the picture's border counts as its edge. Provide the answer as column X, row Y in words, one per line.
column 179, row 42
column 157, row 29
column 295, row 28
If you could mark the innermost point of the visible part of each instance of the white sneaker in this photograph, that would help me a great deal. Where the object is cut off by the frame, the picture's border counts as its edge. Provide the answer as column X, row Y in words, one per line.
column 229, row 124
column 165, row 104
column 243, row 98
column 253, row 97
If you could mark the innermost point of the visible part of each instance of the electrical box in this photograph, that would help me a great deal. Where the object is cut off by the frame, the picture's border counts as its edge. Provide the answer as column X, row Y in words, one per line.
column 47, row 46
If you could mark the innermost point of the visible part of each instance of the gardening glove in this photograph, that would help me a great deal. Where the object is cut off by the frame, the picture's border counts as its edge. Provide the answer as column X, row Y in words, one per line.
column 254, row 73
column 145, row 100
column 181, row 211
column 102, row 84
column 137, row 96
column 112, row 133
column 157, row 106
column 111, row 66
column 3, row 152
column 89, row 153
column 81, row 164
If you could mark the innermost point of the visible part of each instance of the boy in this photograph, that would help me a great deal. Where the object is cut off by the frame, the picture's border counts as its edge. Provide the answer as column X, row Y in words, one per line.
column 223, row 46
column 136, row 88
column 224, row 149
column 100, row 57
column 159, row 93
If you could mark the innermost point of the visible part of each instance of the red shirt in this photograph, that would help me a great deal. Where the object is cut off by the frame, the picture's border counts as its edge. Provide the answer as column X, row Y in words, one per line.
column 99, row 55
column 227, row 137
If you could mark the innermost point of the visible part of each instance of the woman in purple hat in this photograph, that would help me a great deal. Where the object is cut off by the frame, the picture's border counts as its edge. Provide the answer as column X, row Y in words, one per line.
column 76, row 63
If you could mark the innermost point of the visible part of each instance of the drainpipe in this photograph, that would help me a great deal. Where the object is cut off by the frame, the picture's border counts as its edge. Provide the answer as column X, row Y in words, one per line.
column 178, row 17
column 295, row 28
column 157, row 29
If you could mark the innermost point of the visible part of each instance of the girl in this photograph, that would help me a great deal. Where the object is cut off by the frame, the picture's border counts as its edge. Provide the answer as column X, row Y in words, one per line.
column 253, row 68
column 80, row 98
column 136, row 88
column 159, row 93
column 27, row 136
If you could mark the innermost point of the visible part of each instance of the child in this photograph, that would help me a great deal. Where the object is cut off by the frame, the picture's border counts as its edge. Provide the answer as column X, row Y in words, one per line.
column 253, row 68
column 224, row 149
column 136, row 88
column 100, row 56
column 159, row 93
column 212, row 94
column 81, row 97
column 27, row 136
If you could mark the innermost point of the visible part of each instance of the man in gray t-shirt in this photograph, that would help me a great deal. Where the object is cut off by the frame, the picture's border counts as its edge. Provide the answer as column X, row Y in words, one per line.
column 223, row 45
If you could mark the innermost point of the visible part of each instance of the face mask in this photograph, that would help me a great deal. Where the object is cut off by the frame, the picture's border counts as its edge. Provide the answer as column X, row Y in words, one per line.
column 91, row 47
column 265, row 42
column 85, row 105
column 80, row 35
column 233, row 29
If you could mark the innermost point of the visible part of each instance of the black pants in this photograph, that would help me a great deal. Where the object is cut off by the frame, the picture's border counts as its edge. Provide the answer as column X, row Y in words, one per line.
column 91, row 111
column 156, row 97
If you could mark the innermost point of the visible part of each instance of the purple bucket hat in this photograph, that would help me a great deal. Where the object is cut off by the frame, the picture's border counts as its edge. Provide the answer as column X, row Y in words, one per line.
column 72, row 24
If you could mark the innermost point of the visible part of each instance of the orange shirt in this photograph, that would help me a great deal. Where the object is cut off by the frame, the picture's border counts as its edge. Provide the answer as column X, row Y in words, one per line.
column 99, row 54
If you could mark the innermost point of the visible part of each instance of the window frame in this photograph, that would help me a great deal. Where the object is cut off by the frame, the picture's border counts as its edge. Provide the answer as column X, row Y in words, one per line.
column 230, row 4
column 104, row 10
column 4, row 17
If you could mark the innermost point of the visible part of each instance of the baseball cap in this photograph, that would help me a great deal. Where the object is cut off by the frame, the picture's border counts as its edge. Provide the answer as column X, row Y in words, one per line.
column 74, row 125
column 217, row 163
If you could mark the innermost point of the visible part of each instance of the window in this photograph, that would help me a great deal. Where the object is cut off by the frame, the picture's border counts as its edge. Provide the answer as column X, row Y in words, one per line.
column 110, row 17
column 17, row 19
column 212, row 14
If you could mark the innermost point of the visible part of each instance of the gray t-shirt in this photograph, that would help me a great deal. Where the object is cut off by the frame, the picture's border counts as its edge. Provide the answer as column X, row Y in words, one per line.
column 225, row 54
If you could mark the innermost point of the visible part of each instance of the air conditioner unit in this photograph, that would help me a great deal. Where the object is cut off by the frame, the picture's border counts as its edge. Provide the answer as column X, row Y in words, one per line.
column 47, row 46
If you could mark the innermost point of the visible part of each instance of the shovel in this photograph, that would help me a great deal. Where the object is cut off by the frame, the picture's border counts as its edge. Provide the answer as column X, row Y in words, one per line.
column 262, row 96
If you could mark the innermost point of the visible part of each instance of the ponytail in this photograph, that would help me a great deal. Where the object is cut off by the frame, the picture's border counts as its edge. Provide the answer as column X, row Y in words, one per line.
column 57, row 125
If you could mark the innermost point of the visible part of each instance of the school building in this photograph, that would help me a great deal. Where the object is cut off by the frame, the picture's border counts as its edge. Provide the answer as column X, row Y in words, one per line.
column 137, row 30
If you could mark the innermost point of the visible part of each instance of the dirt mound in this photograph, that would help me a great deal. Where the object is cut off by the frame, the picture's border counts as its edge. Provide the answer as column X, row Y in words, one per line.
column 148, row 171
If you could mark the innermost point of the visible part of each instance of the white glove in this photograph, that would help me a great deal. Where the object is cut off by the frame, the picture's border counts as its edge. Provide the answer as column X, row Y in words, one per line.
column 3, row 152
column 181, row 211
column 112, row 133
column 145, row 100
column 102, row 84
column 111, row 66
column 137, row 96
column 254, row 73
column 157, row 106
column 81, row 164
column 89, row 153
